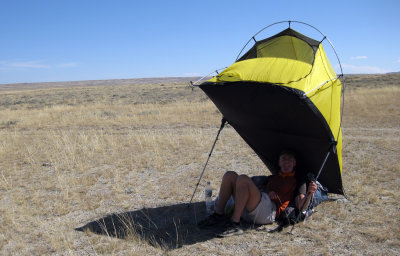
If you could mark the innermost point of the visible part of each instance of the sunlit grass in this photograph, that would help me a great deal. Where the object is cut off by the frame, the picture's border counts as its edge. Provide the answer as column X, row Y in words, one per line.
column 72, row 155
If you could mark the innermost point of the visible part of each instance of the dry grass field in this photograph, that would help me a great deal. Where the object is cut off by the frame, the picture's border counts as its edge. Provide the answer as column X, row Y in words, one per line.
column 123, row 160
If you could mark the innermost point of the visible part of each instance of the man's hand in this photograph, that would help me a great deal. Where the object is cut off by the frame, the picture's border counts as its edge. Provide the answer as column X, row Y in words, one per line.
column 301, row 198
column 272, row 195
column 312, row 187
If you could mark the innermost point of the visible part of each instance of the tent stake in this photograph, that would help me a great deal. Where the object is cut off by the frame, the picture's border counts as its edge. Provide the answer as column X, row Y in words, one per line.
column 223, row 121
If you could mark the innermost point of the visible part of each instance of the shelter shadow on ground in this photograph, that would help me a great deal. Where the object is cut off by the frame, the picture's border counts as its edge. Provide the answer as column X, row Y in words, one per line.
column 168, row 227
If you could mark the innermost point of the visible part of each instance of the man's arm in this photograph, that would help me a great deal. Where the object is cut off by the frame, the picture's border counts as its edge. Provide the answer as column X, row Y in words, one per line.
column 300, row 200
column 271, row 194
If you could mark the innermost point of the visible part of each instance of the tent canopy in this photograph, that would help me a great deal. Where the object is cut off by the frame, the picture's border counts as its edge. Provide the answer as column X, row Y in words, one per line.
column 284, row 94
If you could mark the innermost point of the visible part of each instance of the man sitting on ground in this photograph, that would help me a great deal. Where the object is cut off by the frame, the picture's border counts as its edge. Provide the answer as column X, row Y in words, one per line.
column 253, row 205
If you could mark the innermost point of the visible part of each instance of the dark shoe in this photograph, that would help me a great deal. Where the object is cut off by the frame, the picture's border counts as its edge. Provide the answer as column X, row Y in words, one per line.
column 232, row 229
column 213, row 220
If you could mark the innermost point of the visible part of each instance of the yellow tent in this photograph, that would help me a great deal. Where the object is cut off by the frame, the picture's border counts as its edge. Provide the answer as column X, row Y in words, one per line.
column 284, row 94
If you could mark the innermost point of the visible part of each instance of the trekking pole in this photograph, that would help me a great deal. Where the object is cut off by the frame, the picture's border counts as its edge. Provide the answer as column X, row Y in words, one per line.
column 308, row 199
column 223, row 121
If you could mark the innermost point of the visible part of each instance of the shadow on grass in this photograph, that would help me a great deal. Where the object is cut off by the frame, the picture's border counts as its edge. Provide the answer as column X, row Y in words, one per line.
column 168, row 227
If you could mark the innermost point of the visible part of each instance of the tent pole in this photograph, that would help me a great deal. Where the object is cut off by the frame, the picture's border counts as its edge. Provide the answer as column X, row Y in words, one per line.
column 223, row 121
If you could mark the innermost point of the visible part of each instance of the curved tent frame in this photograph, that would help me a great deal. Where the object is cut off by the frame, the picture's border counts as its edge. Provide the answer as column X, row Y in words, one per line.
column 289, row 22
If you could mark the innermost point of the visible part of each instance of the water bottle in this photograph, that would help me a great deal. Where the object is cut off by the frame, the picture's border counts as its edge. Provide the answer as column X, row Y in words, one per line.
column 209, row 201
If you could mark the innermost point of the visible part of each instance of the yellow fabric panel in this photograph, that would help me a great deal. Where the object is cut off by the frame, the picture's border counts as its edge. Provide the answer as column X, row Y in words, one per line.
column 325, row 62
column 287, row 47
column 272, row 70
column 327, row 100
column 321, row 73
column 339, row 151
column 327, row 97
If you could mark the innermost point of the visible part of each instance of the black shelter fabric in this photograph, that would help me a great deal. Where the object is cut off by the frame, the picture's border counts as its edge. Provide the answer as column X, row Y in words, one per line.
column 271, row 118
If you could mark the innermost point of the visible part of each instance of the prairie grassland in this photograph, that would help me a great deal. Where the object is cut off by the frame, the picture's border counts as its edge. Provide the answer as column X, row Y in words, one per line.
column 72, row 156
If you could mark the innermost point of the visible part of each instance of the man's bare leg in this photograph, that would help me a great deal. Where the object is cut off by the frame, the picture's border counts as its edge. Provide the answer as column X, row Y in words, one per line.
column 246, row 195
column 227, row 189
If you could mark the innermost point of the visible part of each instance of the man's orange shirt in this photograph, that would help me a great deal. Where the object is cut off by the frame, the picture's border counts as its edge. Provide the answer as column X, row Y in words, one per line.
column 284, row 186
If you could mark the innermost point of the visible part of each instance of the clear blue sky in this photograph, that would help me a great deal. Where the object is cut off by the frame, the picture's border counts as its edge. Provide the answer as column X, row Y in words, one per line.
column 64, row 40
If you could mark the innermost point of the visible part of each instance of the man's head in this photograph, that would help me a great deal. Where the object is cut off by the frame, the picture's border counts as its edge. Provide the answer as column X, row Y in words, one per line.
column 287, row 161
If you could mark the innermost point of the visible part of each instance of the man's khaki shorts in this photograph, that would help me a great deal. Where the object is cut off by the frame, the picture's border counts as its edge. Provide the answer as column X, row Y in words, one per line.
column 264, row 213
